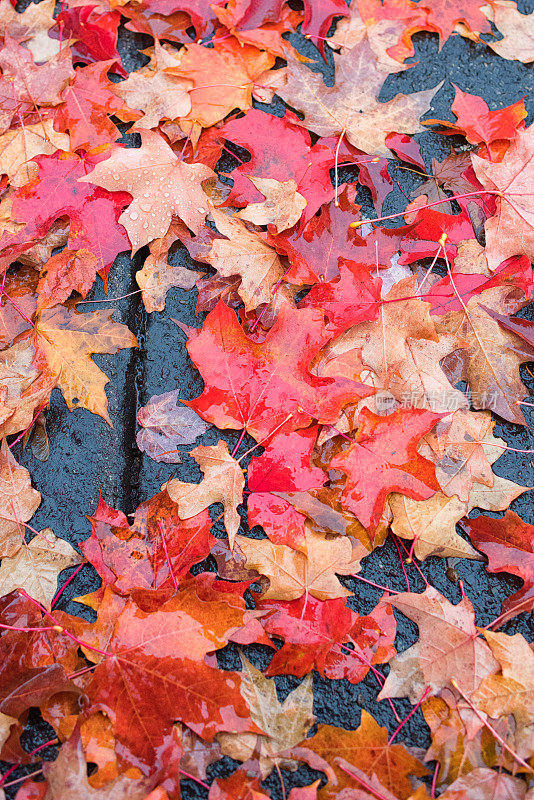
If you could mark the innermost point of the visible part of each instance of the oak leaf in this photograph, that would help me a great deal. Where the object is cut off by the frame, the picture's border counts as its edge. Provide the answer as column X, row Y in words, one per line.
column 310, row 570
column 160, row 184
column 65, row 341
column 284, row 725
column 223, row 482
column 18, row 502
column 165, row 424
column 448, row 647
column 350, row 107
column 275, row 386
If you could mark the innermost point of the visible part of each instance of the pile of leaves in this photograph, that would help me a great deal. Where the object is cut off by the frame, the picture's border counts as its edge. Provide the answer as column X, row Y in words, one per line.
column 362, row 359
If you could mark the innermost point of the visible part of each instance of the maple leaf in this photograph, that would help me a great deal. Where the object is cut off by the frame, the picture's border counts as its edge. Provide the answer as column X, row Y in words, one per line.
column 350, row 107
column 92, row 36
column 313, row 631
column 448, row 647
column 87, row 101
column 20, row 287
column 36, row 566
column 517, row 43
column 496, row 129
column 509, row 545
column 310, row 570
column 512, row 691
column 282, row 207
column 156, row 551
column 92, row 211
column 20, row 145
column 31, row 27
column 280, row 521
column 285, row 464
column 161, row 186
column 239, row 786
column 223, row 482
column 21, row 394
column 347, row 300
column 444, row 15
column 489, row 355
column 157, row 674
column 18, row 502
column 485, row 784
column 223, row 78
column 63, row 273
column 158, row 276
column 65, row 341
column 384, row 459
column 68, row 773
column 510, row 231
column 154, row 92
column 284, row 725
column 432, row 525
column 461, row 446
column 244, row 253
column 165, row 425
column 286, row 154
column 368, row 749
column 275, row 385
column 25, row 85
column 385, row 342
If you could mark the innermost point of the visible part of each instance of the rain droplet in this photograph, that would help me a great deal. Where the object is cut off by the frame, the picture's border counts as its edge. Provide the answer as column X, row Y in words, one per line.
column 201, row 210
column 145, row 224
column 134, row 215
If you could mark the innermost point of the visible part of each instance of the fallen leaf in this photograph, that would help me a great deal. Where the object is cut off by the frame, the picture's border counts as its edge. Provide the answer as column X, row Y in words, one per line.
column 18, row 502
column 223, row 482
column 65, row 341
column 20, row 145
column 312, row 569
column 284, row 725
column 350, row 107
column 510, row 231
column 432, row 525
column 448, row 647
column 36, row 566
column 282, row 207
column 368, row 748
column 379, row 463
column 160, row 184
column 266, row 385
column 166, row 424
column 517, row 43
column 509, row 545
